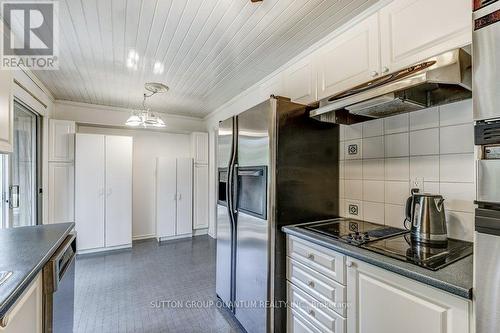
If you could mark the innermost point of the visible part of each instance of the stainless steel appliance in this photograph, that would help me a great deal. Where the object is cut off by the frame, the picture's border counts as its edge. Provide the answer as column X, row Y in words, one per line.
column 59, row 288
column 352, row 231
column 430, row 256
column 393, row 242
column 441, row 79
column 277, row 166
column 425, row 212
column 486, row 99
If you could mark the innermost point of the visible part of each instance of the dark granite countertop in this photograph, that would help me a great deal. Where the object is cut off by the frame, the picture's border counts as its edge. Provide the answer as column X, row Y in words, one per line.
column 455, row 278
column 24, row 251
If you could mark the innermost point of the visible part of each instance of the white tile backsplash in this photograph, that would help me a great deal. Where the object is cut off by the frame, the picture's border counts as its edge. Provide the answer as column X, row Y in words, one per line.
column 424, row 142
column 423, row 119
column 397, row 169
column 457, row 168
column 373, row 147
column 456, row 113
column 396, row 124
column 354, row 132
column 397, row 192
column 458, row 196
column 426, row 167
column 353, row 189
column 374, row 212
column 353, row 169
column 394, row 215
column 374, row 169
column 396, row 145
column 434, row 146
column 373, row 190
column 373, row 128
column 352, row 150
column 460, row 225
column 457, row 139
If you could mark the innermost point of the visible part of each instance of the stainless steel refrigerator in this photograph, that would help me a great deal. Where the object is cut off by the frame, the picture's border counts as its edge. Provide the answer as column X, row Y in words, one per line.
column 276, row 167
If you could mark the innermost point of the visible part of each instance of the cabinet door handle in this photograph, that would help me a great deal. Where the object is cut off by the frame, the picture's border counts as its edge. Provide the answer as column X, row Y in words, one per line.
column 385, row 69
column 4, row 322
column 310, row 284
column 349, row 263
column 374, row 73
column 310, row 256
column 312, row 313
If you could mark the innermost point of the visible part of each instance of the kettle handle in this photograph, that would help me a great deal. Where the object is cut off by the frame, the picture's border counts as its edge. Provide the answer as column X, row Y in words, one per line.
column 409, row 203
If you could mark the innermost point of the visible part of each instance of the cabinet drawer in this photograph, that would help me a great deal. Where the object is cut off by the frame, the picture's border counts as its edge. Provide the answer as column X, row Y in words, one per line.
column 317, row 285
column 298, row 324
column 323, row 260
column 314, row 311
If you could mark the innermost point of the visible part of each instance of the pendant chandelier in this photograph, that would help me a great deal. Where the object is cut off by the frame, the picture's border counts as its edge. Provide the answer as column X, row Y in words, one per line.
column 144, row 117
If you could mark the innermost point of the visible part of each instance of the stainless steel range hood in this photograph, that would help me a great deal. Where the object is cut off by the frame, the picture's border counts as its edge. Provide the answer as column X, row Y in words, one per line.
column 438, row 80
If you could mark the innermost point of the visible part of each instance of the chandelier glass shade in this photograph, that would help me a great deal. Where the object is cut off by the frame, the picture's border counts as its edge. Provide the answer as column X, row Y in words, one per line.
column 144, row 117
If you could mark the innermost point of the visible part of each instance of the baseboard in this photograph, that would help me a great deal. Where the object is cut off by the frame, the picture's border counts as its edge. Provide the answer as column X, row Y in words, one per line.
column 104, row 249
column 141, row 237
column 167, row 238
column 199, row 232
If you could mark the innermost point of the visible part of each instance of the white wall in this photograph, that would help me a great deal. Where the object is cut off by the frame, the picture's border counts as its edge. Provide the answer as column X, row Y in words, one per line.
column 112, row 116
column 147, row 146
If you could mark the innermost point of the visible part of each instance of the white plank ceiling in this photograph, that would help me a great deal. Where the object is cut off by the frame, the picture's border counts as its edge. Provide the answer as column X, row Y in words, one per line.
column 206, row 51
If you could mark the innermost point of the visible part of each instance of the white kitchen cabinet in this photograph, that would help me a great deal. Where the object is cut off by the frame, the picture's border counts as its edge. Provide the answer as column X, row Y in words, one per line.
column 6, row 112
column 300, row 81
column 414, row 30
column 199, row 147
column 118, row 166
column 174, row 198
column 103, row 192
column 384, row 302
column 296, row 323
column 61, row 192
column 200, row 197
column 349, row 59
column 61, row 140
column 26, row 315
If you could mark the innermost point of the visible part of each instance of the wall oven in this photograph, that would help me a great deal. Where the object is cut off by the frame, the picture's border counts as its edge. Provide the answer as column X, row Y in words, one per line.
column 486, row 101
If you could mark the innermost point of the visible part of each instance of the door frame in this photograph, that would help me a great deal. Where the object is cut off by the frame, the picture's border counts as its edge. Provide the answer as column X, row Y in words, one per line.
column 37, row 154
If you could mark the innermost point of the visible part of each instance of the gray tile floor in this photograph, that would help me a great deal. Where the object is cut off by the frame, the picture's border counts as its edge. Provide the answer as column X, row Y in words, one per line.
column 142, row 289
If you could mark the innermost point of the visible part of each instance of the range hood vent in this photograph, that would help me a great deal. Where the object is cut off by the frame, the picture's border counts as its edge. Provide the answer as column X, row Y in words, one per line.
column 439, row 80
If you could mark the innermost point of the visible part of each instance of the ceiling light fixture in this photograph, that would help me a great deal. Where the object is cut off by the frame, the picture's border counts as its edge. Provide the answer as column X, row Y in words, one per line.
column 145, row 117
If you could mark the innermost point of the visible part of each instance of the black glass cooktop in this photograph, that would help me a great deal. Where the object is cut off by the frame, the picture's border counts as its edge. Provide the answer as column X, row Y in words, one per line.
column 432, row 257
column 353, row 231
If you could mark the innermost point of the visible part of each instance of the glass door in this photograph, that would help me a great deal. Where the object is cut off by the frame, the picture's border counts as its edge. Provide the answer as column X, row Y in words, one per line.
column 22, row 169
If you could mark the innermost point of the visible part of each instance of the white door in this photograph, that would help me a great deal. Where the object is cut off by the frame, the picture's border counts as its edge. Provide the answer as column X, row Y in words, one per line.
column 6, row 111
column 118, row 217
column 61, row 192
column 350, row 59
column 61, row 140
column 408, row 306
column 199, row 147
column 414, row 30
column 200, row 195
column 89, row 191
column 184, row 196
column 166, row 196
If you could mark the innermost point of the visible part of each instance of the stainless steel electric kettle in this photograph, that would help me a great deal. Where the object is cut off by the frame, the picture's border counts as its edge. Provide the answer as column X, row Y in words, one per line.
column 426, row 214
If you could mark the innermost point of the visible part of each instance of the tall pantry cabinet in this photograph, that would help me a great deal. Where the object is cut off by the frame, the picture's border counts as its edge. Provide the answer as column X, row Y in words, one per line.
column 174, row 198
column 199, row 152
column 103, row 192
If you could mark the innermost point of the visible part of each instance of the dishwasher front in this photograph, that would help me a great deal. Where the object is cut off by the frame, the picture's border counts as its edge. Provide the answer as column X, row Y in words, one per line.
column 59, row 288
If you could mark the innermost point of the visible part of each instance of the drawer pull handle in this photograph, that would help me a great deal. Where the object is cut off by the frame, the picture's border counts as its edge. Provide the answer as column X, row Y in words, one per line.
column 310, row 284
column 312, row 313
column 310, row 256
